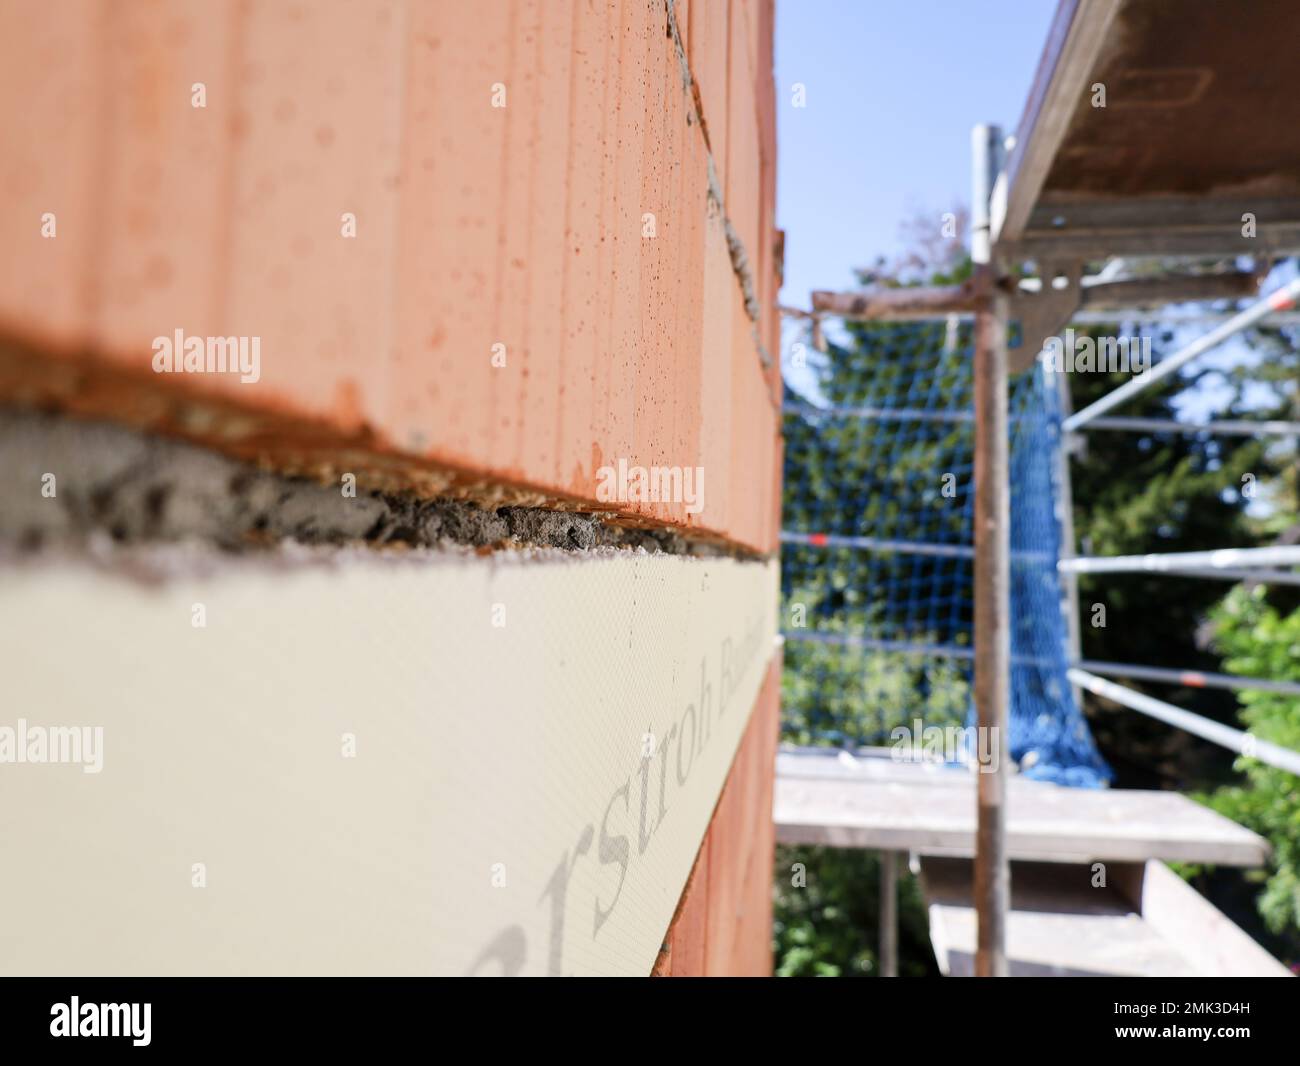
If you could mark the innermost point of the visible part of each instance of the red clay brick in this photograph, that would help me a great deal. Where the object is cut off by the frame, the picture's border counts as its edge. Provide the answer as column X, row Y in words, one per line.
column 742, row 182
column 707, row 54
column 475, row 226
column 688, row 933
column 723, row 923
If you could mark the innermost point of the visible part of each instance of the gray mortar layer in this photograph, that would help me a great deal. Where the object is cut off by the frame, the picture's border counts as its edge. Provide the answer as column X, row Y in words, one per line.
column 136, row 488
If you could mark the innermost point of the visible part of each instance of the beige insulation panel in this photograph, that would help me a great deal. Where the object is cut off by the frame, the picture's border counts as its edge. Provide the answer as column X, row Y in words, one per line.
column 435, row 763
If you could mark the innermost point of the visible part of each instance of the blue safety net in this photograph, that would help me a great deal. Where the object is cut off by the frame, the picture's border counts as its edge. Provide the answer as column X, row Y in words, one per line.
column 877, row 557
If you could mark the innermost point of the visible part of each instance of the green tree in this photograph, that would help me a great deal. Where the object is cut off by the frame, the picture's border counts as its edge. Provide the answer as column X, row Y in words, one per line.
column 843, row 478
column 1259, row 640
column 827, row 902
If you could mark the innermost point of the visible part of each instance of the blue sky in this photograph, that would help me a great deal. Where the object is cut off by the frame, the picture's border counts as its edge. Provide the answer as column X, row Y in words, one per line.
column 893, row 89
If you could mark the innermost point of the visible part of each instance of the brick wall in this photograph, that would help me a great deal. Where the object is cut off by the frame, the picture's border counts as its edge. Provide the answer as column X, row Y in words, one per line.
column 475, row 226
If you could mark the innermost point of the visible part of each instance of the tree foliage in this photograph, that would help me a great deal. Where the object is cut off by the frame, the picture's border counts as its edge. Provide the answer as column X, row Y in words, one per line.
column 1259, row 640
column 828, row 927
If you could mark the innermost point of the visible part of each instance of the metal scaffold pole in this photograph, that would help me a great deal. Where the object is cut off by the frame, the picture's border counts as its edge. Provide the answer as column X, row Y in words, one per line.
column 992, row 887
column 1216, row 732
column 1171, row 562
column 889, row 914
column 1283, row 298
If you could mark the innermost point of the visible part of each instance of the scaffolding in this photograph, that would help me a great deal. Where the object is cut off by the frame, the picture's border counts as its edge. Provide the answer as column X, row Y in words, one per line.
column 1030, row 210
column 989, row 301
